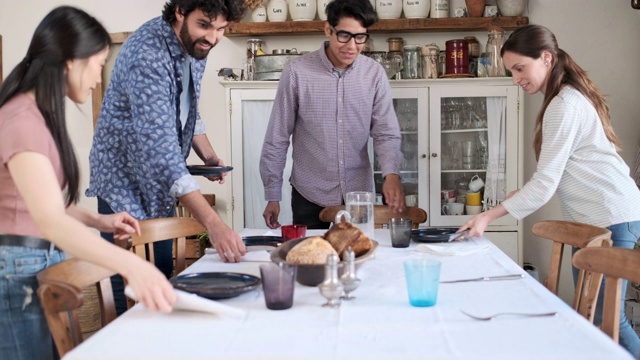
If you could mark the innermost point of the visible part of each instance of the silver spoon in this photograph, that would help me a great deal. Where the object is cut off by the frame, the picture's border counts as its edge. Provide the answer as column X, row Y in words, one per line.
column 484, row 318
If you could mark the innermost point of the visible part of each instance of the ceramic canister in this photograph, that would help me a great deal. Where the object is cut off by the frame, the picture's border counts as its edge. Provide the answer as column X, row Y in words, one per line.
column 389, row 9
column 277, row 10
column 457, row 56
column 259, row 14
column 322, row 5
column 414, row 9
column 302, row 10
column 439, row 9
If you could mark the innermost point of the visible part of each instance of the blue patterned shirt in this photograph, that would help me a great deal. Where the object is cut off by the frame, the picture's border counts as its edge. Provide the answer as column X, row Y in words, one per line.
column 139, row 148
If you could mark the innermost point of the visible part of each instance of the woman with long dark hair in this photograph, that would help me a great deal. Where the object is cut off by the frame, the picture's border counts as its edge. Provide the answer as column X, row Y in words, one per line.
column 576, row 149
column 39, row 181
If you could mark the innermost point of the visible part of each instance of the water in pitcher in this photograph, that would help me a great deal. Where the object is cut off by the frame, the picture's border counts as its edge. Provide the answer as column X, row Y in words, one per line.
column 362, row 216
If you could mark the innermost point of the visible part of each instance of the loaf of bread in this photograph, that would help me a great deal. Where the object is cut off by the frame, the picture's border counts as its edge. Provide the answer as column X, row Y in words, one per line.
column 344, row 235
column 313, row 250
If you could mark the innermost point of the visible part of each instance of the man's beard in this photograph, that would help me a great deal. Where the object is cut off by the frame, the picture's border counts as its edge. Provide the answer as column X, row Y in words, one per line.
column 190, row 45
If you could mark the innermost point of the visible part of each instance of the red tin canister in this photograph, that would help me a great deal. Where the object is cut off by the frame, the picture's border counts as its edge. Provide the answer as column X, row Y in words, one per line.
column 457, row 52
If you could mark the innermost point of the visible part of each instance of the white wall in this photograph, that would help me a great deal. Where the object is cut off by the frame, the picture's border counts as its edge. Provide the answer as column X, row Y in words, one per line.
column 602, row 36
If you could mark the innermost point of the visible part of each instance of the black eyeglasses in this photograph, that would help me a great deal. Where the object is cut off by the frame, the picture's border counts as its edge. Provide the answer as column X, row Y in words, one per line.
column 345, row 36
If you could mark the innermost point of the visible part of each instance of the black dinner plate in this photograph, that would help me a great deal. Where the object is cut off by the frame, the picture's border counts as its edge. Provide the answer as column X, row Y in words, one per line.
column 262, row 240
column 432, row 235
column 216, row 285
column 206, row 170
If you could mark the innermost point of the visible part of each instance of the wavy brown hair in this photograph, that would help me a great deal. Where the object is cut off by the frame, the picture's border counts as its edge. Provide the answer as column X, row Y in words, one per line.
column 531, row 41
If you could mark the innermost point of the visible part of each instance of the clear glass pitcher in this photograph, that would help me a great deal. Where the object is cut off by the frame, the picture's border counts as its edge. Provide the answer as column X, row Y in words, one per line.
column 359, row 211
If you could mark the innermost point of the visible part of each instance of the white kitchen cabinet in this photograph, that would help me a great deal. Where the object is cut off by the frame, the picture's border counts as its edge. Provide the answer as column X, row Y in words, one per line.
column 425, row 111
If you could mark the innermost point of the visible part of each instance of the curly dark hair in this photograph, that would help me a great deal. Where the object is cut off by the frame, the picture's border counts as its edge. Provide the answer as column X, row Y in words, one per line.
column 361, row 10
column 233, row 10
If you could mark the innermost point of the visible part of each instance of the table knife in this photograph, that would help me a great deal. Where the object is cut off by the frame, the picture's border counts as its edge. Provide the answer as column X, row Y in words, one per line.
column 486, row 278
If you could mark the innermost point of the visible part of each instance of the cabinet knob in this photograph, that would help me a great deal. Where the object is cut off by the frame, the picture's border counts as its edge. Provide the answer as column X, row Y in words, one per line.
column 434, row 155
column 423, row 156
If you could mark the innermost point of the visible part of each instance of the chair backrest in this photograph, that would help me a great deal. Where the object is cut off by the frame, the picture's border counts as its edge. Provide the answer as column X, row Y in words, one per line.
column 183, row 211
column 61, row 296
column 177, row 228
column 617, row 265
column 581, row 236
column 381, row 215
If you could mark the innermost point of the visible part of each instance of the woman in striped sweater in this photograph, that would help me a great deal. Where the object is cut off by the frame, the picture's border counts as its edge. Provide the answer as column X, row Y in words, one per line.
column 576, row 149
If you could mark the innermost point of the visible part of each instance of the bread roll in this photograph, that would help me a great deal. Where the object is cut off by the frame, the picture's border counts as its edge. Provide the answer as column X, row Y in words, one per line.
column 345, row 234
column 313, row 250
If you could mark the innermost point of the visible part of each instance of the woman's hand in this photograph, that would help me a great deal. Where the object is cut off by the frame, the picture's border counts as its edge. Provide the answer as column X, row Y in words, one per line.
column 150, row 286
column 122, row 225
column 478, row 224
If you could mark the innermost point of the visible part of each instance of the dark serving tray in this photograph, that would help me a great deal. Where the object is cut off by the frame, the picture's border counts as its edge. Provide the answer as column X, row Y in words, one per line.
column 206, row 170
column 433, row 235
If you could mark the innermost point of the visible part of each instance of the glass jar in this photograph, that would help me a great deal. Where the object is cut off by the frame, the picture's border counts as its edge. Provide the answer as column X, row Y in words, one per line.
column 412, row 64
column 494, row 45
column 430, row 61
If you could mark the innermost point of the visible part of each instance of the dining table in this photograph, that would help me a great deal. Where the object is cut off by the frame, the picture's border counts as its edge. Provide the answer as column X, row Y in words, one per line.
column 378, row 324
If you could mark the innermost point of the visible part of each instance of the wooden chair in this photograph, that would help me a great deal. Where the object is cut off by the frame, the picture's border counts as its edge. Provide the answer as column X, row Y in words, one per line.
column 581, row 236
column 153, row 230
column 617, row 265
column 381, row 215
column 61, row 296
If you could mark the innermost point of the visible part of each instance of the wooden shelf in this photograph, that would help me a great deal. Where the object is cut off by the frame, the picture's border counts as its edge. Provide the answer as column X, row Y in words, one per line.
column 382, row 26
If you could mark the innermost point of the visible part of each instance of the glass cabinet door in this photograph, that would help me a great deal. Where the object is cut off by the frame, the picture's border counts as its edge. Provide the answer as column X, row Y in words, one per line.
column 410, row 106
column 473, row 151
column 251, row 109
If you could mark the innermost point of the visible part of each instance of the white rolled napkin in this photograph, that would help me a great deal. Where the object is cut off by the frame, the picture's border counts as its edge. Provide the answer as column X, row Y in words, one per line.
column 191, row 302
column 454, row 248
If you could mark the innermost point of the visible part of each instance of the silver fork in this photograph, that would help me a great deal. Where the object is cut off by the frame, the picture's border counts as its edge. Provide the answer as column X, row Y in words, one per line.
column 484, row 318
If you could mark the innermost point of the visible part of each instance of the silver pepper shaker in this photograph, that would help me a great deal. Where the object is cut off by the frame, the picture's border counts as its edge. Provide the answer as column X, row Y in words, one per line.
column 331, row 288
column 349, row 279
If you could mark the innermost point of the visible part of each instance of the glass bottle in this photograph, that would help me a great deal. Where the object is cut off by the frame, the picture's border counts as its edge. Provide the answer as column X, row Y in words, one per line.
column 412, row 62
column 494, row 45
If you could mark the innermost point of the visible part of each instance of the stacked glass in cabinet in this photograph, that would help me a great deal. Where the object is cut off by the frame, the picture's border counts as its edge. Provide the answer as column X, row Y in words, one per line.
column 407, row 114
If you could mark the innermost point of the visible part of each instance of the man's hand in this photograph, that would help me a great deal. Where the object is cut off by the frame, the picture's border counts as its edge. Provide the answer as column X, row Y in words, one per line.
column 227, row 243
column 392, row 191
column 271, row 213
column 216, row 162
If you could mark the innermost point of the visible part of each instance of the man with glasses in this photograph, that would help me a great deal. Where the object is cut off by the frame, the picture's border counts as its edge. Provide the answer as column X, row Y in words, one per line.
column 330, row 102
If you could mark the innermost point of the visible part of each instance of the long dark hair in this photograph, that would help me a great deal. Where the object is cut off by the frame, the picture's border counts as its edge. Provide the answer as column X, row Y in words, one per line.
column 233, row 10
column 361, row 10
column 531, row 41
column 66, row 33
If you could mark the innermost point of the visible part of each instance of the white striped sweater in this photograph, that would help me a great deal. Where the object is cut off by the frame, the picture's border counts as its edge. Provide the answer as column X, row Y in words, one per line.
column 579, row 163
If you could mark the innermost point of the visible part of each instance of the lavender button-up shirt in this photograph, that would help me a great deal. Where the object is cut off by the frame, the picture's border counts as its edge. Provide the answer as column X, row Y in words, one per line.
column 329, row 116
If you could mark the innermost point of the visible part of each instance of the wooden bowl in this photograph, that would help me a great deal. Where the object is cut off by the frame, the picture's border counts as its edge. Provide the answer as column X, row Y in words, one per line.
column 313, row 275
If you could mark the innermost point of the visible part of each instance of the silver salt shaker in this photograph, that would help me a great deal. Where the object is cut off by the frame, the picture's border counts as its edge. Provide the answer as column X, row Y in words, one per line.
column 331, row 288
column 349, row 280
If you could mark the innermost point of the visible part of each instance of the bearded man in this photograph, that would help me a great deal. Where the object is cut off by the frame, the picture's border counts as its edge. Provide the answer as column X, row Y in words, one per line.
column 149, row 121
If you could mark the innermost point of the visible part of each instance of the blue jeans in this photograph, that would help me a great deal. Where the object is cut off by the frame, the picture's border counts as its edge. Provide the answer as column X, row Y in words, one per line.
column 162, row 250
column 24, row 333
column 623, row 235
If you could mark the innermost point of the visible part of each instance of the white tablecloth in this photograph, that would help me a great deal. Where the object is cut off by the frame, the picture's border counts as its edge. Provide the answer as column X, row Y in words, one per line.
column 378, row 324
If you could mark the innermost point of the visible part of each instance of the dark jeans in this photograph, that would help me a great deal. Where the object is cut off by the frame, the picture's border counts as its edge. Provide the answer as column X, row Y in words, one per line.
column 162, row 250
column 305, row 212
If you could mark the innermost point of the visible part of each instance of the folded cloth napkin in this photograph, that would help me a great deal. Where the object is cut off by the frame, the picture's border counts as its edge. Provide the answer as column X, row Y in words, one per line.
column 191, row 302
column 454, row 248
column 257, row 255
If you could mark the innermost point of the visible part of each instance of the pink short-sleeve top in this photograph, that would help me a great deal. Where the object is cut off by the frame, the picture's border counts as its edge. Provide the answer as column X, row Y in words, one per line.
column 22, row 129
